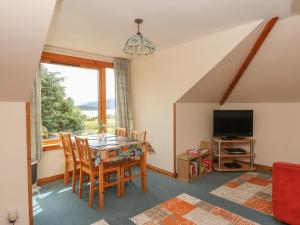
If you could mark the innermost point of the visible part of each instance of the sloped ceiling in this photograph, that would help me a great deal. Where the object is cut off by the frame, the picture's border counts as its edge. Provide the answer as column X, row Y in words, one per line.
column 23, row 29
column 212, row 86
column 273, row 75
column 103, row 26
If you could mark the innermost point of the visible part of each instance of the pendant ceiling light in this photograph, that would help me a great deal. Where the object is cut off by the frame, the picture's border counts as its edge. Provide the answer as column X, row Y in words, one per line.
column 137, row 44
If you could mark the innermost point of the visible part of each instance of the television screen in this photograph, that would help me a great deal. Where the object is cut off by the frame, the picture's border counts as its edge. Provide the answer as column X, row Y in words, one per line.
column 233, row 123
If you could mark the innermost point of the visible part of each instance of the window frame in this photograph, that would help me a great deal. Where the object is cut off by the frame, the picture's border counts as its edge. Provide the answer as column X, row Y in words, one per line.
column 54, row 58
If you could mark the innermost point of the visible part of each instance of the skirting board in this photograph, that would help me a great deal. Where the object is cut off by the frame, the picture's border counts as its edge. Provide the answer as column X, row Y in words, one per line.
column 150, row 167
column 47, row 180
column 258, row 166
column 161, row 171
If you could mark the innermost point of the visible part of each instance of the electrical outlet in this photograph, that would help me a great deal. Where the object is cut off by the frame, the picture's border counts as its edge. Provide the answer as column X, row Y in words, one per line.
column 12, row 215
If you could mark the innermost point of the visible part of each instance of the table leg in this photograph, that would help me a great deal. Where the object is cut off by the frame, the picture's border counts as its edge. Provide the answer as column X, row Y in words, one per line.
column 101, row 186
column 143, row 172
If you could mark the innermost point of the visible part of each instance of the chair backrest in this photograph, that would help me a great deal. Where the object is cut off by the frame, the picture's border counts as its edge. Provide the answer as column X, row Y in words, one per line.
column 138, row 135
column 67, row 146
column 122, row 132
column 84, row 152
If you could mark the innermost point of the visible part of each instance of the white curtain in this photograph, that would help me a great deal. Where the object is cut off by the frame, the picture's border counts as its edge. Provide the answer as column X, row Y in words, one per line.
column 35, row 118
column 121, row 68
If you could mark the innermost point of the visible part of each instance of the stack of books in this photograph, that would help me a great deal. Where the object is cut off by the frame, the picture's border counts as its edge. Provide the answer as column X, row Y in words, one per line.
column 206, row 164
column 195, row 168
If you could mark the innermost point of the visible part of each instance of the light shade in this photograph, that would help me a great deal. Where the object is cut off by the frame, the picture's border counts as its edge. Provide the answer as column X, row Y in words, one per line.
column 137, row 44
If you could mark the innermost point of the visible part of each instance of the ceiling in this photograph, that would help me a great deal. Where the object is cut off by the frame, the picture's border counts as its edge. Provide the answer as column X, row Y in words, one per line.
column 103, row 26
column 213, row 85
column 274, row 72
column 272, row 76
column 21, row 44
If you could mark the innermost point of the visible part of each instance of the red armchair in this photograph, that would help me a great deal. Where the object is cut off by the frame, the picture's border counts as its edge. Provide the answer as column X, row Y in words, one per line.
column 286, row 192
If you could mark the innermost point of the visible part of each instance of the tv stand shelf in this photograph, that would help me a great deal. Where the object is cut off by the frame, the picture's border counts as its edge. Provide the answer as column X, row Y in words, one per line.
column 221, row 156
column 235, row 155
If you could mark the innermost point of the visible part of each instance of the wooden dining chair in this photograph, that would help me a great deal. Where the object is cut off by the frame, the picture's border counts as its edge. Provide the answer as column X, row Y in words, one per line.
column 88, row 167
column 130, row 163
column 139, row 161
column 71, row 162
column 138, row 135
column 122, row 132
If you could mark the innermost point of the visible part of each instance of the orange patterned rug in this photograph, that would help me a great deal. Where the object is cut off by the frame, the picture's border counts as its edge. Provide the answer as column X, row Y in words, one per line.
column 253, row 190
column 188, row 210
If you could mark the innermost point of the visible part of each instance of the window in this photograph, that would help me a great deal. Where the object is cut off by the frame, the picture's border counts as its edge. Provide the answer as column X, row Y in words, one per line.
column 78, row 96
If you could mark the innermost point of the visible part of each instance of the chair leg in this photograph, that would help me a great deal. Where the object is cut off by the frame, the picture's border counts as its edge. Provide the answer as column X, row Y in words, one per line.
column 80, row 183
column 101, row 186
column 73, row 178
column 65, row 178
column 143, row 173
column 107, row 177
column 129, row 172
column 66, row 175
column 143, row 182
column 91, row 195
column 119, row 182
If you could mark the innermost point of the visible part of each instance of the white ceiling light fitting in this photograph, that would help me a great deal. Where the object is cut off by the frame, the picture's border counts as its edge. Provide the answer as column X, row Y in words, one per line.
column 137, row 44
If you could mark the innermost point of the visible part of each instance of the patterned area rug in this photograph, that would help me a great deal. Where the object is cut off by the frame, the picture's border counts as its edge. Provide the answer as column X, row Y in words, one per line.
column 253, row 190
column 188, row 210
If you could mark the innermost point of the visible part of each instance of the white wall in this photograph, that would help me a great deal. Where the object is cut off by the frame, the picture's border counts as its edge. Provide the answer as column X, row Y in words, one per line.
column 13, row 161
column 276, row 130
column 23, row 29
column 159, row 80
column 52, row 163
column 193, row 124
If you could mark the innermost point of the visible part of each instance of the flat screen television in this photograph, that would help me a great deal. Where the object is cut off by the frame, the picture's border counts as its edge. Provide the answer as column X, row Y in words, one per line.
column 233, row 123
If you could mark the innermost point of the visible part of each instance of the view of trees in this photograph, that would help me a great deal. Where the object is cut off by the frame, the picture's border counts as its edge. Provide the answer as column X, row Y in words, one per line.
column 58, row 112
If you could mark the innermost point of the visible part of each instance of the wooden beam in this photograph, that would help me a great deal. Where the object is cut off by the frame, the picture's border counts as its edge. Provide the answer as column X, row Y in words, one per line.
column 260, row 40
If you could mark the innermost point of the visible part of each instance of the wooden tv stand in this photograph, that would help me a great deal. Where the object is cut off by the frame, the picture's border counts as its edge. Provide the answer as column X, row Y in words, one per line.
column 223, row 157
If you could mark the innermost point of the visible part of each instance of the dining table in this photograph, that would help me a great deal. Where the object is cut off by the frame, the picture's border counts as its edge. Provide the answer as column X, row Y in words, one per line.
column 109, row 148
